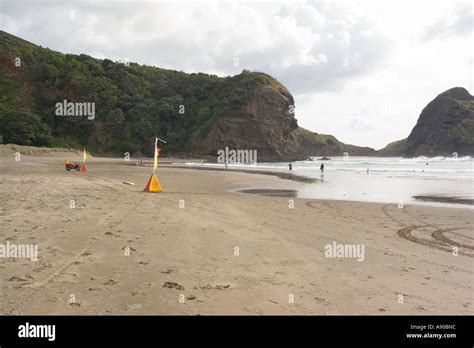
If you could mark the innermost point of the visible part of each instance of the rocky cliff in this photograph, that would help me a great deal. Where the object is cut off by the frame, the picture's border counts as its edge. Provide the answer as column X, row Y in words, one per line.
column 445, row 125
column 265, row 123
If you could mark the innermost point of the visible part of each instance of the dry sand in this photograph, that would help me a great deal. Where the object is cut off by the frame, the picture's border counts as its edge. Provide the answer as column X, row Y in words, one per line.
column 408, row 251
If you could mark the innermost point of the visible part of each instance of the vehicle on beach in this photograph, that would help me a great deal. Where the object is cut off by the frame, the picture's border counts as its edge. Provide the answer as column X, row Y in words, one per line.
column 72, row 165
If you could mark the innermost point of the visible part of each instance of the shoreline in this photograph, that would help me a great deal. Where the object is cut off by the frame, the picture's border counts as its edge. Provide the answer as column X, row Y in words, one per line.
column 285, row 176
column 434, row 200
column 445, row 199
column 450, row 201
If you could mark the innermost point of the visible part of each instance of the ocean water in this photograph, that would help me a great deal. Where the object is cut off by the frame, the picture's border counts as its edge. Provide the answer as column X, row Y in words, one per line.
column 389, row 179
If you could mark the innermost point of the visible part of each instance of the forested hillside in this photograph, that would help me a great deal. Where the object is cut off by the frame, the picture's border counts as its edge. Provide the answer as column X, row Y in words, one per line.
column 133, row 103
column 196, row 113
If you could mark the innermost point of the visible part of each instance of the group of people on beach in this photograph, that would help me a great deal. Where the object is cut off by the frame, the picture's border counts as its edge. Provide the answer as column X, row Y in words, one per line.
column 321, row 168
column 290, row 167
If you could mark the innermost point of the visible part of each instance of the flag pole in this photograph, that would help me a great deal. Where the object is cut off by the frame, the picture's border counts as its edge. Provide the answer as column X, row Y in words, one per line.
column 155, row 159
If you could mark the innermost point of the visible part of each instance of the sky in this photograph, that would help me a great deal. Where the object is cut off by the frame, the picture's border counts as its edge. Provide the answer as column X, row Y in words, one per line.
column 359, row 70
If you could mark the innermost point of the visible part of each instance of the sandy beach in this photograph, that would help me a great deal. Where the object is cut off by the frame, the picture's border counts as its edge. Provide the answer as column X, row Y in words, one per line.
column 201, row 247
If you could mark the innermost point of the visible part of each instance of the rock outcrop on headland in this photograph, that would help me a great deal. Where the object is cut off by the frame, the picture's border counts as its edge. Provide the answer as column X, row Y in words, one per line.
column 445, row 126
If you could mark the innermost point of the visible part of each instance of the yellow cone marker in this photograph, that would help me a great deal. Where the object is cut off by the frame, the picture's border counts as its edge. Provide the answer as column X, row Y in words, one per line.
column 153, row 185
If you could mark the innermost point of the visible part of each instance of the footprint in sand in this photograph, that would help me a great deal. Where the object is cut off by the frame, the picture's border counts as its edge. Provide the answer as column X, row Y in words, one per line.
column 173, row 285
column 215, row 287
column 110, row 282
column 42, row 267
column 17, row 279
column 135, row 293
column 321, row 300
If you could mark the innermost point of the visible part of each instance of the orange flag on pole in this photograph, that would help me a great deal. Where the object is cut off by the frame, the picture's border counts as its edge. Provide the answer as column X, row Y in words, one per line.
column 153, row 184
column 83, row 165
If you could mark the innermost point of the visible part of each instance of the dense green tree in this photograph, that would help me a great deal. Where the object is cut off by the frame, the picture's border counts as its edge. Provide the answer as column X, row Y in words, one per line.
column 23, row 128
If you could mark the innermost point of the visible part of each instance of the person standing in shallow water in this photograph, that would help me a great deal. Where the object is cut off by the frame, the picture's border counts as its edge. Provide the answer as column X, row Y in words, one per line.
column 322, row 167
column 290, row 167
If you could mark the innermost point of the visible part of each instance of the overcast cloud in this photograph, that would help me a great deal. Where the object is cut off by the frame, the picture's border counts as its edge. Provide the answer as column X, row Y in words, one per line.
column 358, row 70
column 457, row 22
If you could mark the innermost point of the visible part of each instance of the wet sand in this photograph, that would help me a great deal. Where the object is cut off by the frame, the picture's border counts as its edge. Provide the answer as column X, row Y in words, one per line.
column 442, row 199
column 200, row 247
column 287, row 176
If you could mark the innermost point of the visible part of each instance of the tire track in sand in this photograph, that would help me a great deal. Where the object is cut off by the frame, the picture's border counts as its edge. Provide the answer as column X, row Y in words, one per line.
column 436, row 239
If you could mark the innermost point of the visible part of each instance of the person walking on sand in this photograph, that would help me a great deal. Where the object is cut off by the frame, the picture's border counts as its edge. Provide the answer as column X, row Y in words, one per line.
column 290, row 167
